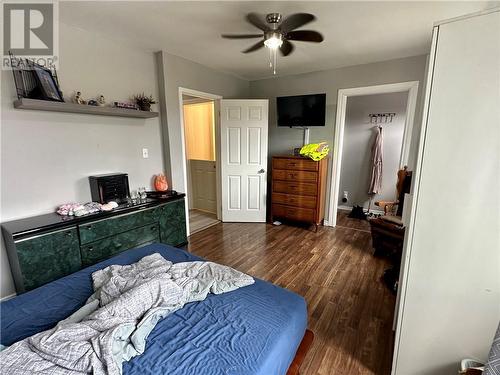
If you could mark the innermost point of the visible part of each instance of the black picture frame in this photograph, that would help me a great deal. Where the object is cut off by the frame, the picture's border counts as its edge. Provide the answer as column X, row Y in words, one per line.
column 48, row 89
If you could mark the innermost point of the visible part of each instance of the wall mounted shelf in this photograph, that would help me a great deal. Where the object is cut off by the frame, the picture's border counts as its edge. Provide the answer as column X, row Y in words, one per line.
column 46, row 105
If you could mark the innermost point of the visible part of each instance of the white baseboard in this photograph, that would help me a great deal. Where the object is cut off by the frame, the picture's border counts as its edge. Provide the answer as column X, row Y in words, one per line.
column 8, row 297
column 349, row 208
column 344, row 208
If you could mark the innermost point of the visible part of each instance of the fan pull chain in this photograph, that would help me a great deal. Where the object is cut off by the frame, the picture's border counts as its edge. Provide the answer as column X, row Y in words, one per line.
column 275, row 61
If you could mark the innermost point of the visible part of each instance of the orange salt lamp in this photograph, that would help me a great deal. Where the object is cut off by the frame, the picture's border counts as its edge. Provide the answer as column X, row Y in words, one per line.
column 161, row 183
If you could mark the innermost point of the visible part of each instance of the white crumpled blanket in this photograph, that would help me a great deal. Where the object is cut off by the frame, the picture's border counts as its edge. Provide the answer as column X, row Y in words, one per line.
column 114, row 324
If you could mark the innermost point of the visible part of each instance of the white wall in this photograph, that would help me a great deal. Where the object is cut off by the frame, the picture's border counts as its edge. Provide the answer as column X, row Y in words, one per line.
column 283, row 140
column 359, row 135
column 46, row 157
column 179, row 72
column 451, row 308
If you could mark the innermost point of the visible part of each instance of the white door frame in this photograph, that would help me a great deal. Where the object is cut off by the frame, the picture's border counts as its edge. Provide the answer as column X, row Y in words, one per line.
column 411, row 87
column 216, row 99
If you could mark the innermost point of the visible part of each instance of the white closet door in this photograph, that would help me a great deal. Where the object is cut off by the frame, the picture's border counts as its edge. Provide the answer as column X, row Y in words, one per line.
column 451, row 307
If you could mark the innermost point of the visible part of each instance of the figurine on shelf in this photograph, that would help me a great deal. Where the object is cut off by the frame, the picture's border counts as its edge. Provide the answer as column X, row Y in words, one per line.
column 92, row 102
column 101, row 102
column 78, row 98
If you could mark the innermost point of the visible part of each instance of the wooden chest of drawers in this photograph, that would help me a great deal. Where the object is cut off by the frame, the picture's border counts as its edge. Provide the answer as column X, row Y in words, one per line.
column 298, row 189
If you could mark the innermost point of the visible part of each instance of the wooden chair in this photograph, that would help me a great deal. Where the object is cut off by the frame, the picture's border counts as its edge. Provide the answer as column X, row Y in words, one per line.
column 394, row 207
column 388, row 230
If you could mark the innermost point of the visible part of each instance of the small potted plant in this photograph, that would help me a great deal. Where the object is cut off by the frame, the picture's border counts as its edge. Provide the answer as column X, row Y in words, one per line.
column 144, row 102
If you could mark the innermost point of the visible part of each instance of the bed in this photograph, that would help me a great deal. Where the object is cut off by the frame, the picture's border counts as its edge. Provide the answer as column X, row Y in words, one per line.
column 257, row 329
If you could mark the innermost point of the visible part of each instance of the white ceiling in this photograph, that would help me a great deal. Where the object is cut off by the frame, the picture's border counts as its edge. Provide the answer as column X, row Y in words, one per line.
column 355, row 32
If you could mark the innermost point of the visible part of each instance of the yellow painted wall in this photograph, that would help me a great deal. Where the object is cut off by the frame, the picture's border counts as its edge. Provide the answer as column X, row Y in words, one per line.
column 199, row 131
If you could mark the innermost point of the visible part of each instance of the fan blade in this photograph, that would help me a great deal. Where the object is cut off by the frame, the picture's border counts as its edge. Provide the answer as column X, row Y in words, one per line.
column 242, row 36
column 257, row 20
column 255, row 47
column 286, row 48
column 296, row 20
column 305, row 36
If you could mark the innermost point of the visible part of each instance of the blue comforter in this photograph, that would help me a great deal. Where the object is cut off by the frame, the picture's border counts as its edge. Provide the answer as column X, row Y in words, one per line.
column 253, row 330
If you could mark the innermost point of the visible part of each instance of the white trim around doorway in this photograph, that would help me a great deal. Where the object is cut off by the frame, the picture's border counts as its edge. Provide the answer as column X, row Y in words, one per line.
column 410, row 87
column 216, row 99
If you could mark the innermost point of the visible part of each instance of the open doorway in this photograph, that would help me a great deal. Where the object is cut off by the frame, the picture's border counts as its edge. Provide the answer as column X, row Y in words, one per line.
column 199, row 124
column 371, row 120
column 363, row 149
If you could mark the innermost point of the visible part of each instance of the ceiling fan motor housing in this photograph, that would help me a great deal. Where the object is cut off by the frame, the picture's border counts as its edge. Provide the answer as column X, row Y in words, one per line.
column 273, row 34
column 273, row 19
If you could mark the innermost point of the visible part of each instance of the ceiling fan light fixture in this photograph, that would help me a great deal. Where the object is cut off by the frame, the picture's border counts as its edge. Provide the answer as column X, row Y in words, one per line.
column 278, row 34
column 273, row 41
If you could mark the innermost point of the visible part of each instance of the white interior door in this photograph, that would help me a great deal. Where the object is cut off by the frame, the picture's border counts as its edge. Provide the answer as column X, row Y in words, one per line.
column 244, row 134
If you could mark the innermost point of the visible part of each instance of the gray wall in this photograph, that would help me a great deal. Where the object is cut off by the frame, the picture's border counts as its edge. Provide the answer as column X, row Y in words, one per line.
column 179, row 72
column 359, row 135
column 283, row 140
column 47, row 157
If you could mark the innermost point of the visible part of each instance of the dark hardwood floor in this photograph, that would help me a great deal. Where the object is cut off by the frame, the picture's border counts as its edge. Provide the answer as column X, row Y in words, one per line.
column 350, row 310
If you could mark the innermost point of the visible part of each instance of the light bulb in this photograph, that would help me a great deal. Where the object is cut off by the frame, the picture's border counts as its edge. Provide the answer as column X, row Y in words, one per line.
column 274, row 41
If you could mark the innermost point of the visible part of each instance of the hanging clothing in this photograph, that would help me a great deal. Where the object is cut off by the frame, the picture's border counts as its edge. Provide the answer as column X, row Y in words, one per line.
column 376, row 178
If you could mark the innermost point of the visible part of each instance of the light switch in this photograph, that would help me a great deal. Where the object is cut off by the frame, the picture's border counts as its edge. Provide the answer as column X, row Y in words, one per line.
column 145, row 153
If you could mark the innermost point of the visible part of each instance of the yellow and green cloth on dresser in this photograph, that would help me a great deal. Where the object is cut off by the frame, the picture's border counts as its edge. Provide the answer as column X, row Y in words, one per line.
column 315, row 151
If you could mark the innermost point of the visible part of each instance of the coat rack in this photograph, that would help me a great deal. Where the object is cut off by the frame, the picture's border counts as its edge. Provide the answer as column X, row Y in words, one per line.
column 378, row 118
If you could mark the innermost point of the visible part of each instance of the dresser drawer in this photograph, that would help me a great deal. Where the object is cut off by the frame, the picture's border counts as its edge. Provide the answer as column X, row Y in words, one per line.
column 294, row 188
column 289, row 175
column 173, row 223
column 47, row 257
column 107, row 247
column 305, row 201
column 299, row 164
column 96, row 230
column 294, row 213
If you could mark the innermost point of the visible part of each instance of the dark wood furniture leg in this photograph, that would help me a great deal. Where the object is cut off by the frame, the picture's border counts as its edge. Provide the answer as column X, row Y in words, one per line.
column 304, row 347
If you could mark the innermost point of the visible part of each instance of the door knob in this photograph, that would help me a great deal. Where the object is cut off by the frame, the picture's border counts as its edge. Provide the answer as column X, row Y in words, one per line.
column 261, row 171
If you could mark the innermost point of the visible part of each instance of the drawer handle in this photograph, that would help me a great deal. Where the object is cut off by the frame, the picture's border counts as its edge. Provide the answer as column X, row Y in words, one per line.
column 292, row 164
column 69, row 234
column 153, row 228
column 292, row 175
column 89, row 227
column 90, row 248
column 293, row 187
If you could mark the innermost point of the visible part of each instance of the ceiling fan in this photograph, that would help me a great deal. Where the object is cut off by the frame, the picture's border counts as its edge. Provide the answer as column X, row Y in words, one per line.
column 278, row 32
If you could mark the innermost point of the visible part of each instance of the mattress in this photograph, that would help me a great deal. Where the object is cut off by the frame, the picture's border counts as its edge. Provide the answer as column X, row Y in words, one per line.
column 253, row 330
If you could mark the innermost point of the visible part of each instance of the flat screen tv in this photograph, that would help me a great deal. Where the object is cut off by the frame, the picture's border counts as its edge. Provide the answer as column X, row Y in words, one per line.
column 301, row 110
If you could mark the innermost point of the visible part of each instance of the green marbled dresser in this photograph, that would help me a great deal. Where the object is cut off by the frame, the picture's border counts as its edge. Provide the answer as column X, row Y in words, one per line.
column 47, row 247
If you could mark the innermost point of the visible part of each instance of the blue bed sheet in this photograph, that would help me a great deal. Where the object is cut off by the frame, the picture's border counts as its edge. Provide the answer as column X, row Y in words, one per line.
column 253, row 330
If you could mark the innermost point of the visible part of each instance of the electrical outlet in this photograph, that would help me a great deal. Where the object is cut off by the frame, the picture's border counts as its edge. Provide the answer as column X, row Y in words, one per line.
column 345, row 196
column 145, row 153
